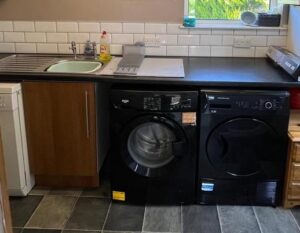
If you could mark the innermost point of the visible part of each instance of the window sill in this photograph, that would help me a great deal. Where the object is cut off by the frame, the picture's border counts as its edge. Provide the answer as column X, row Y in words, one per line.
column 227, row 24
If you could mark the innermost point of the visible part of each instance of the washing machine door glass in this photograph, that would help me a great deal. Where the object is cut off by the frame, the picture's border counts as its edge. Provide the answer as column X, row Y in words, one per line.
column 243, row 147
column 150, row 144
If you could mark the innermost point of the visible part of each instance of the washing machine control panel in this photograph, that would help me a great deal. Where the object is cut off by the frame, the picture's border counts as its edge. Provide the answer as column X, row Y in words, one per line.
column 159, row 101
column 216, row 102
column 168, row 102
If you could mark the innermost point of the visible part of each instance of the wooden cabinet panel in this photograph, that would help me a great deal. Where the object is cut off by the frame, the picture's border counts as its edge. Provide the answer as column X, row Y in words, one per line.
column 61, row 128
column 5, row 215
column 295, row 171
column 296, row 152
column 294, row 191
column 291, row 194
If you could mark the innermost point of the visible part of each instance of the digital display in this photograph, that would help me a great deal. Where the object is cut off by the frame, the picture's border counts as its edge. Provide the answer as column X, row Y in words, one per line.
column 152, row 103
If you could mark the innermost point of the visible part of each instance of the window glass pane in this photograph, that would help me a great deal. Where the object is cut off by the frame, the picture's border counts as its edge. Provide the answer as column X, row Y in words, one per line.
column 225, row 9
column 288, row 2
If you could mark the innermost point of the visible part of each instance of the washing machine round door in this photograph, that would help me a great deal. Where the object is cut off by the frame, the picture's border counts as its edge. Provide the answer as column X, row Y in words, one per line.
column 243, row 147
column 151, row 144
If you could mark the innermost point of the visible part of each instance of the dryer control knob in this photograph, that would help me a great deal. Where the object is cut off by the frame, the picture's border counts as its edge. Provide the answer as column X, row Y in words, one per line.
column 268, row 105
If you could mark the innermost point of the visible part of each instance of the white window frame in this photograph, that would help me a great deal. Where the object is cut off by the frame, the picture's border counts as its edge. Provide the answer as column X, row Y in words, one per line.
column 186, row 12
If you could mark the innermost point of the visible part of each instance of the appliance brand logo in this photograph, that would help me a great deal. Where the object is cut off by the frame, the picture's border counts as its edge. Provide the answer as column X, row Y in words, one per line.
column 125, row 101
column 223, row 98
column 207, row 187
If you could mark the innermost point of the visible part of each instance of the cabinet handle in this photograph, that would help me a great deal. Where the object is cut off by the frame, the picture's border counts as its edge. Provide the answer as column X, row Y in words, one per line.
column 87, row 114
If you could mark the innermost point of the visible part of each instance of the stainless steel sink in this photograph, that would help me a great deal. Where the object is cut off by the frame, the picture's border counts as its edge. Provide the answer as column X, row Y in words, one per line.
column 23, row 63
column 66, row 66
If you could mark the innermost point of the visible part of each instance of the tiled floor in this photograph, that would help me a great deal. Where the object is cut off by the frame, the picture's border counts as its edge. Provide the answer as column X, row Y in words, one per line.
column 91, row 211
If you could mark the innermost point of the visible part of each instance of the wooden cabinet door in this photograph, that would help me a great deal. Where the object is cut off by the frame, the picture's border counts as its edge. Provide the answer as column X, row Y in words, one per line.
column 61, row 127
column 5, row 216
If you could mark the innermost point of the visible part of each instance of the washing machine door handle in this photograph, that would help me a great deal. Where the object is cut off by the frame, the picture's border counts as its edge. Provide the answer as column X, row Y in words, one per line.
column 179, row 148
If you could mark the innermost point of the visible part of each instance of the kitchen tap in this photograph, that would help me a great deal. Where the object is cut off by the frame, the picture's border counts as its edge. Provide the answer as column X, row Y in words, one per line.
column 94, row 50
column 74, row 49
column 90, row 49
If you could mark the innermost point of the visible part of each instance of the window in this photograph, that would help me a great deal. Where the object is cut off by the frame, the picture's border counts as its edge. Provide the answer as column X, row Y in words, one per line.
column 230, row 9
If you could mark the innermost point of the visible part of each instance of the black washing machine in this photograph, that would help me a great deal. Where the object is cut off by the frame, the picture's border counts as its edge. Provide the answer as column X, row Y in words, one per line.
column 153, row 156
column 243, row 146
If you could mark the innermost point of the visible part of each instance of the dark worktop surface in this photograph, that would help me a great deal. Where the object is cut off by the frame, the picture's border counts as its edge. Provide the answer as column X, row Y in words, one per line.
column 204, row 72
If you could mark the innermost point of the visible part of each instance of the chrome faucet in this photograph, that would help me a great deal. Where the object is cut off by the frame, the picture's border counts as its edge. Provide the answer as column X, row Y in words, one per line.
column 74, row 49
column 90, row 49
column 94, row 50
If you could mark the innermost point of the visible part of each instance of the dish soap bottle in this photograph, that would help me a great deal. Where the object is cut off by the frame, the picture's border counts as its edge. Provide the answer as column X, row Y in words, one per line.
column 104, row 48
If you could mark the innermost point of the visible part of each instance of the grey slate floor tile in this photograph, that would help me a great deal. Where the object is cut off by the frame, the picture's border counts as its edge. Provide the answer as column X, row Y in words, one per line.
column 88, row 214
column 40, row 231
column 162, row 219
column 22, row 209
column 238, row 219
column 17, row 230
column 39, row 190
column 124, row 217
column 103, row 191
column 52, row 213
column 122, row 232
column 276, row 220
column 78, row 231
column 296, row 213
column 66, row 192
column 200, row 219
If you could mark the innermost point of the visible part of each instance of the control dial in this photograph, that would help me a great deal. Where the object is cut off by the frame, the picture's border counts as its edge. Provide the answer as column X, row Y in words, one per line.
column 268, row 105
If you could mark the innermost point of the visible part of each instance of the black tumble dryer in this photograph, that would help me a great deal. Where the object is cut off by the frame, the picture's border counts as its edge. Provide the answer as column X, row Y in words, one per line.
column 153, row 156
column 243, row 138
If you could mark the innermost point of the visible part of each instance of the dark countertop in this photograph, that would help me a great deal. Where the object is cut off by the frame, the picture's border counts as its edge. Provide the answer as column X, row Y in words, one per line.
column 204, row 72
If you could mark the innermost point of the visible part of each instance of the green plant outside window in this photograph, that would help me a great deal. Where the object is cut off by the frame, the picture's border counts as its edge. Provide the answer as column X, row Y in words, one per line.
column 228, row 9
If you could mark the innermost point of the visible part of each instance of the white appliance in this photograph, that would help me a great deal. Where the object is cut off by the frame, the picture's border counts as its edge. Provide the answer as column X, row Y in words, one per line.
column 294, row 30
column 19, row 179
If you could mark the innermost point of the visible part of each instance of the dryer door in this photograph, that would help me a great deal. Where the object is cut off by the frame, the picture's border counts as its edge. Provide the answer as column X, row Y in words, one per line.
column 243, row 147
column 151, row 144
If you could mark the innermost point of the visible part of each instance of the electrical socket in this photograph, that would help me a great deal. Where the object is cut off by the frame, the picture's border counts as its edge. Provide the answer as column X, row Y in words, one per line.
column 152, row 41
column 242, row 42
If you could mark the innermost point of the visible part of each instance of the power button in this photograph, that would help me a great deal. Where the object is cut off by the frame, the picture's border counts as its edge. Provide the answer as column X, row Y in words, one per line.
column 268, row 105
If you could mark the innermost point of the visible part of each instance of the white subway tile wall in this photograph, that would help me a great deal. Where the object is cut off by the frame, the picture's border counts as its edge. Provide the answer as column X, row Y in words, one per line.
column 159, row 28
column 112, row 27
column 89, row 27
column 6, row 26
column 35, row 37
column 199, row 51
column 7, row 47
column 156, row 51
column 14, row 37
column 23, row 26
column 67, row 26
column 47, row 48
column 43, row 26
column 188, row 40
column 133, row 27
column 177, row 51
column 78, row 37
column 25, row 48
column 55, row 37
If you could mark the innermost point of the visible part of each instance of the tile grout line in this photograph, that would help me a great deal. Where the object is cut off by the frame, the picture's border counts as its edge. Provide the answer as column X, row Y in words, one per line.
column 71, row 213
column 34, row 212
column 181, row 218
column 293, row 217
column 257, row 219
column 144, row 217
column 106, row 217
column 219, row 218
